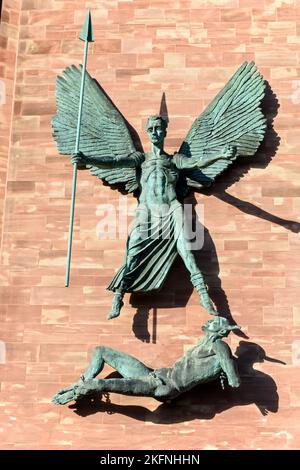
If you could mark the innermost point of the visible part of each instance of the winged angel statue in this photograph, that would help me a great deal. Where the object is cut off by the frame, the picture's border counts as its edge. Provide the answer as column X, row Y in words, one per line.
column 232, row 126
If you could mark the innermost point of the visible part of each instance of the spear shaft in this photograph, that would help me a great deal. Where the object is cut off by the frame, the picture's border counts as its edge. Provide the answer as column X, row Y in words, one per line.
column 86, row 36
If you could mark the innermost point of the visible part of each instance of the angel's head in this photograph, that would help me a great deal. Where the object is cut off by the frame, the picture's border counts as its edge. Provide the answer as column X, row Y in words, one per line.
column 156, row 129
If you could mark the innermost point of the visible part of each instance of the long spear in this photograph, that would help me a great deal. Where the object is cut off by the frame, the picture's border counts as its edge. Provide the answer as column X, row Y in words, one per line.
column 87, row 36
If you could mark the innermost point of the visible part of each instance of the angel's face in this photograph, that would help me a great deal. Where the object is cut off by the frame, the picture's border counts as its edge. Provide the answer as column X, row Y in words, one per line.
column 156, row 132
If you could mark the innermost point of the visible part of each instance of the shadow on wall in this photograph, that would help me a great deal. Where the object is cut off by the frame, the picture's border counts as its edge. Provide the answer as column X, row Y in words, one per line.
column 263, row 157
column 205, row 401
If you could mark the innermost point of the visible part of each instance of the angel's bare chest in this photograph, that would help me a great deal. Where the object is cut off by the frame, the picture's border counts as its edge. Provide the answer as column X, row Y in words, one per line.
column 159, row 171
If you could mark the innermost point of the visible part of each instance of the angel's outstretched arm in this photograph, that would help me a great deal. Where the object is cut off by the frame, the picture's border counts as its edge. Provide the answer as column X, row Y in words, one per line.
column 133, row 160
column 183, row 162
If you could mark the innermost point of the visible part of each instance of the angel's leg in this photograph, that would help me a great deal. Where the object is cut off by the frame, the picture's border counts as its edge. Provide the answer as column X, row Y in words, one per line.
column 132, row 259
column 117, row 303
column 196, row 275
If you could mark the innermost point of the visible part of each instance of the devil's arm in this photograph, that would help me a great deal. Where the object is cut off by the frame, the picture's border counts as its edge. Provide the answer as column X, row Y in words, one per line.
column 224, row 355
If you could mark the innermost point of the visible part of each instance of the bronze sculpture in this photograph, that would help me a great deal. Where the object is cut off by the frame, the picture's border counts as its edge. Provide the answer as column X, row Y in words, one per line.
column 207, row 361
column 232, row 125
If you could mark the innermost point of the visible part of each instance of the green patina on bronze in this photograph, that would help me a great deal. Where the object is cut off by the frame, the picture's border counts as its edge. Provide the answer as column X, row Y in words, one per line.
column 87, row 36
column 232, row 126
column 210, row 360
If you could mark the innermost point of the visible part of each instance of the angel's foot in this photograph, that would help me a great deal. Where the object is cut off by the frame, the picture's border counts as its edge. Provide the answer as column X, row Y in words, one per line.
column 199, row 283
column 208, row 305
column 116, row 306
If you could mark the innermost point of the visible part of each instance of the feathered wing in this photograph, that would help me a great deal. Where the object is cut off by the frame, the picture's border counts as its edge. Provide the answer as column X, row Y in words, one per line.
column 234, row 118
column 103, row 129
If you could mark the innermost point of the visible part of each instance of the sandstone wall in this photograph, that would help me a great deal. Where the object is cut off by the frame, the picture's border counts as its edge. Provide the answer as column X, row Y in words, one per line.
column 187, row 49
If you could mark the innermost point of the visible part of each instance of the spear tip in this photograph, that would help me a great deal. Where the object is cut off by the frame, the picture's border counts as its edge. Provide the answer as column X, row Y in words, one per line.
column 87, row 33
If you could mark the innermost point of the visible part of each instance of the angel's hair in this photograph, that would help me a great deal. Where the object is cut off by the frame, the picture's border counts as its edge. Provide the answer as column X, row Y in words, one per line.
column 157, row 117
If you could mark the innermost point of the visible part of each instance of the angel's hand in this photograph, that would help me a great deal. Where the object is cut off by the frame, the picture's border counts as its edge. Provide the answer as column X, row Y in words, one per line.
column 230, row 152
column 80, row 159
